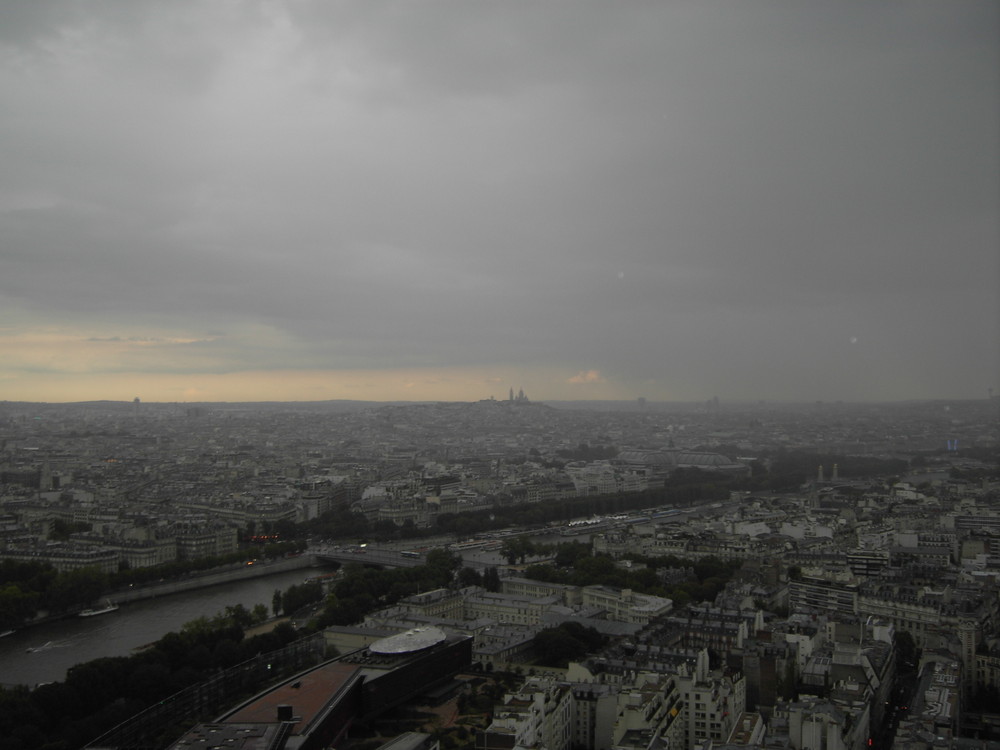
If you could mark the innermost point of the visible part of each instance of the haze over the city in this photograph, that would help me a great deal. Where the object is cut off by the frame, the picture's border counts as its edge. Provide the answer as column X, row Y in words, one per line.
column 238, row 201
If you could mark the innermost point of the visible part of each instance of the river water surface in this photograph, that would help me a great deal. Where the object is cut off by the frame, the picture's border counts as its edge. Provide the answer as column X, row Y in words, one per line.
column 43, row 653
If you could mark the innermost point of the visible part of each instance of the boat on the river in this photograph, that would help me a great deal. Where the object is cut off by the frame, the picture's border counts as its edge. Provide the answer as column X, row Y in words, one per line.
column 109, row 606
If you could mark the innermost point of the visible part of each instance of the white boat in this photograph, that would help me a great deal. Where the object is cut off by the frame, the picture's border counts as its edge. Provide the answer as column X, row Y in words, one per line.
column 108, row 607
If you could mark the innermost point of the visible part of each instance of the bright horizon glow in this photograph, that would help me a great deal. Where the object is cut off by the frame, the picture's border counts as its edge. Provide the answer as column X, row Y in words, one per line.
column 418, row 385
column 298, row 385
column 66, row 364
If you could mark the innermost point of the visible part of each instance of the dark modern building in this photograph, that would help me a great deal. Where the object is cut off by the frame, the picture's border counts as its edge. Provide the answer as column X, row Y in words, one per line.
column 316, row 708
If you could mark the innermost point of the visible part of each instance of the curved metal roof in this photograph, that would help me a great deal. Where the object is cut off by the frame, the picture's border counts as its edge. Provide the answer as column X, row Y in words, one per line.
column 416, row 639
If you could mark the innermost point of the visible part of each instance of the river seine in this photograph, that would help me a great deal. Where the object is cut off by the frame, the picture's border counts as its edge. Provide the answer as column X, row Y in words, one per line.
column 43, row 653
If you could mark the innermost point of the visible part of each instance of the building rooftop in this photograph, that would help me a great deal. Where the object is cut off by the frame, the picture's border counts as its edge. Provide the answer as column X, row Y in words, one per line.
column 233, row 736
column 309, row 695
column 416, row 639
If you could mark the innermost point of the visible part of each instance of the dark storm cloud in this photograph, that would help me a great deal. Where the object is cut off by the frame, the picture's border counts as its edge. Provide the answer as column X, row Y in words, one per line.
column 760, row 198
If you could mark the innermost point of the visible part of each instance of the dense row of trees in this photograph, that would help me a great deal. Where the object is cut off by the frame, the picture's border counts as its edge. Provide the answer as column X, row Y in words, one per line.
column 777, row 471
column 296, row 597
column 343, row 523
column 571, row 641
column 24, row 592
column 27, row 588
column 685, row 487
column 587, row 452
column 489, row 579
column 363, row 590
column 789, row 470
column 576, row 566
column 100, row 694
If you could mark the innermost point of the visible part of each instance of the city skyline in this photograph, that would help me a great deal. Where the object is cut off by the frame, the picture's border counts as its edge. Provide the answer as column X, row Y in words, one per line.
column 442, row 201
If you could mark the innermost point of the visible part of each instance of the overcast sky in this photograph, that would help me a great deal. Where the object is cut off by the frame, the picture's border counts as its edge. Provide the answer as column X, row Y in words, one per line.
column 304, row 200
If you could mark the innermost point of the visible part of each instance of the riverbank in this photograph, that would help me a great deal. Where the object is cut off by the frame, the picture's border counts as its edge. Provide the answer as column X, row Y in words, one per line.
column 57, row 646
column 229, row 574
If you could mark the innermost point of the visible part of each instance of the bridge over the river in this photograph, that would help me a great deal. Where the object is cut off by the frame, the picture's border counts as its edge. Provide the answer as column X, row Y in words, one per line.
column 369, row 555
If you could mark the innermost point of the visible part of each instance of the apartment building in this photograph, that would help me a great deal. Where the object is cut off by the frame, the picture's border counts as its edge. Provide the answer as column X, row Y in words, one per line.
column 649, row 714
column 936, row 702
column 538, row 717
column 818, row 723
column 713, row 701
column 65, row 557
column 595, row 708
column 823, row 590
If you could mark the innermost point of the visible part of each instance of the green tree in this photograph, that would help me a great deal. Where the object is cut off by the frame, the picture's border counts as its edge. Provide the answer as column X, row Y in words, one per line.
column 469, row 577
column 593, row 569
column 558, row 646
column 517, row 548
column 226, row 654
column 16, row 605
column 259, row 613
column 439, row 567
column 76, row 589
column 301, row 595
column 237, row 615
column 546, row 573
column 198, row 628
column 568, row 554
column 149, row 682
column 57, row 699
column 491, row 579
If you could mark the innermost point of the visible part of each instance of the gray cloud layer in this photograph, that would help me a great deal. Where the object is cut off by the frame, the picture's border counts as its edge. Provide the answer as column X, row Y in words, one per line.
column 755, row 199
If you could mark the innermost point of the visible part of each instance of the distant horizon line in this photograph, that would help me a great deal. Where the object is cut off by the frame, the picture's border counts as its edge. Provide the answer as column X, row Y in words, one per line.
column 634, row 401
